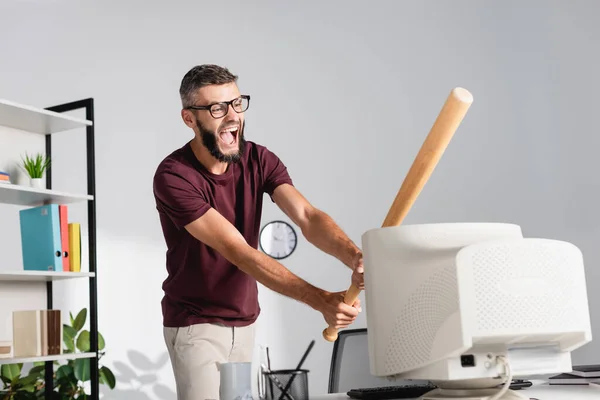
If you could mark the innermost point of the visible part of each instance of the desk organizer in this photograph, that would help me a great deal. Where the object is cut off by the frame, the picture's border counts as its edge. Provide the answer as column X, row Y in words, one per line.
column 286, row 384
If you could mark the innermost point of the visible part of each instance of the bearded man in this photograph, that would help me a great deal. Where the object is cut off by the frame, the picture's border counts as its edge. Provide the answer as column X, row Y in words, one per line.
column 209, row 196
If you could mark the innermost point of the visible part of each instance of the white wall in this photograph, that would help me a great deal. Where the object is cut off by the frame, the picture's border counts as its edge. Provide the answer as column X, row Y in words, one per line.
column 345, row 93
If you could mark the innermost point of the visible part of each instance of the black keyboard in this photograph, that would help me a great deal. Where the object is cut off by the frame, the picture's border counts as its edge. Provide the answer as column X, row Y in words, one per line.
column 408, row 391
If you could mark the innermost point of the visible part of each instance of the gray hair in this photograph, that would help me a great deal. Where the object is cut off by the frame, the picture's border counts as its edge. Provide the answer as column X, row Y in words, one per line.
column 200, row 76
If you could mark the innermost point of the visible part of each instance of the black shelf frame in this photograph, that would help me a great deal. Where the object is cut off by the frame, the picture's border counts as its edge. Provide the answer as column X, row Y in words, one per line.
column 88, row 105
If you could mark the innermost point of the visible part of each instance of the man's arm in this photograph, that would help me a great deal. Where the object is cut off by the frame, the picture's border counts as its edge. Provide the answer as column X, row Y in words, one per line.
column 217, row 232
column 318, row 227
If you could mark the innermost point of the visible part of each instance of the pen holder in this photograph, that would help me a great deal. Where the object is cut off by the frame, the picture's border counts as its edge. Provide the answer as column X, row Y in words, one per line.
column 294, row 380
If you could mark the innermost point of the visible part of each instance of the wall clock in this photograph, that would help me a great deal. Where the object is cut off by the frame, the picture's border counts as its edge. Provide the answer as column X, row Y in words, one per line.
column 278, row 239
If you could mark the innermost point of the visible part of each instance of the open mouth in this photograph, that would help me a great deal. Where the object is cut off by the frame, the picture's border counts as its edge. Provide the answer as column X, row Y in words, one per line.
column 229, row 135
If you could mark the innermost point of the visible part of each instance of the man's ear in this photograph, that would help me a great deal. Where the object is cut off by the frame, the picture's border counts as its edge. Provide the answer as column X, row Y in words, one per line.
column 188, row 118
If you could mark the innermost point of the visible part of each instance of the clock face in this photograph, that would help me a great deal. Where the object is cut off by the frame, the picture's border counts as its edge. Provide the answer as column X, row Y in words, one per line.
column 278, row 239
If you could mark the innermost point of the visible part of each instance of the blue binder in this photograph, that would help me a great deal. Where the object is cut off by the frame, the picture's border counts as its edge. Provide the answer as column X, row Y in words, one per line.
column 40, row 238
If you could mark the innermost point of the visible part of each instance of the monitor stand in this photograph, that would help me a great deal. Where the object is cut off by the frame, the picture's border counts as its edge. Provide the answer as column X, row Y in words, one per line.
column 472, row 394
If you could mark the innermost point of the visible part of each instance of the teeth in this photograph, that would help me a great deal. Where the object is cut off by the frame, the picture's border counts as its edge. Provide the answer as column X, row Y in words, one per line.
column 231, row 129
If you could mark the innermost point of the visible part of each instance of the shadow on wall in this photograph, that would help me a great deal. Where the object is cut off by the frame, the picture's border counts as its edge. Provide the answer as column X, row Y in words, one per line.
column 137, row 379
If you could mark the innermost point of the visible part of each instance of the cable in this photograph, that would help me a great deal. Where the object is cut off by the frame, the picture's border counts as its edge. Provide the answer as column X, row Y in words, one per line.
column 507, row 382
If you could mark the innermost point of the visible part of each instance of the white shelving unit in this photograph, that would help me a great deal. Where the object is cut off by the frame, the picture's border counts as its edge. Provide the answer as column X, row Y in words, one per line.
column 41, row 276
column 21, row 288
column 68, row 356
column 30, row 197
column 37, row 120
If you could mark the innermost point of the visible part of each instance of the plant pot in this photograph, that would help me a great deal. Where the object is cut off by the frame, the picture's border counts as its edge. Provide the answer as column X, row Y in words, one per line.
column 37, row 183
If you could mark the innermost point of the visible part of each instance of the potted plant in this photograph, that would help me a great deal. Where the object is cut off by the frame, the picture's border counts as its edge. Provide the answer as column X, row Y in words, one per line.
column 35, row 167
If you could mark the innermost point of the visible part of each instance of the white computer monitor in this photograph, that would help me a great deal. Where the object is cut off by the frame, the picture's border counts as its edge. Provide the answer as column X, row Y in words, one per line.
column 469, row 306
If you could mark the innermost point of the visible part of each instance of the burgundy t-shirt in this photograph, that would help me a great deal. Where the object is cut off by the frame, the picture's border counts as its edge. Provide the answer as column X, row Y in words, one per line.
column 202, row 286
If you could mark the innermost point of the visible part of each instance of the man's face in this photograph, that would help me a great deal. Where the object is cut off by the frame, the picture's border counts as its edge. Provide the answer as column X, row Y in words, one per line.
column 223, row 136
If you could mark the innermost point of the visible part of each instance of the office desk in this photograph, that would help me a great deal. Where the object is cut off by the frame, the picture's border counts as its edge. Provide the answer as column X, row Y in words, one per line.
column 537, row 391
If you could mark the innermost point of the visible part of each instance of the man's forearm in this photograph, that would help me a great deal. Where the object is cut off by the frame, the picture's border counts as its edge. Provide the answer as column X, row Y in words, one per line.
column 326, row 235
column 276, row 277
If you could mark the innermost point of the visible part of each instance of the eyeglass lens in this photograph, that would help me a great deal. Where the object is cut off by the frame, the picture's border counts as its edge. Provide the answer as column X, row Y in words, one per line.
column 239, row 105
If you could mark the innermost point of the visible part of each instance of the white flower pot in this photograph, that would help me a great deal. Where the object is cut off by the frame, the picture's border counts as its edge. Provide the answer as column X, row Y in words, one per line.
column 37, row 183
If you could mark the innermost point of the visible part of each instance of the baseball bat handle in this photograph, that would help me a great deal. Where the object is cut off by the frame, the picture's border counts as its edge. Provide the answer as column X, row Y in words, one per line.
column 449, row 118
column 331, row 333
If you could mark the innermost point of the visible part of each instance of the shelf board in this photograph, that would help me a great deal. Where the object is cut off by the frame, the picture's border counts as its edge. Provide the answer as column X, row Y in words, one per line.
column 41, row 276
column 28, row 196
column 68, row 356
column 37, row 120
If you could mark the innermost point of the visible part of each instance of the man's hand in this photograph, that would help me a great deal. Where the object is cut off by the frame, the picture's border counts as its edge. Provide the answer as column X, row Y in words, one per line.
column 337, row 313
column 358, row 270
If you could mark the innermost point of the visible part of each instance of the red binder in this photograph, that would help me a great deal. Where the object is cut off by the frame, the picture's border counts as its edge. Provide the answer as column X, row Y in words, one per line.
column 64, row 236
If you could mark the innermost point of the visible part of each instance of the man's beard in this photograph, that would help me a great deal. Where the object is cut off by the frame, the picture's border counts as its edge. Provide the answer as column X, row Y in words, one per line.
column 209, row 140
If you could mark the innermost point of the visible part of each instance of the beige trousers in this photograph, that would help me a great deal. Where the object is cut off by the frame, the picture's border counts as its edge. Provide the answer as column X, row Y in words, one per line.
column 196, row 352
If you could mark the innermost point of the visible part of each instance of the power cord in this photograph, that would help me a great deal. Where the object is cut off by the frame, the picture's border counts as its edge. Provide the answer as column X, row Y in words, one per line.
column 509, row 376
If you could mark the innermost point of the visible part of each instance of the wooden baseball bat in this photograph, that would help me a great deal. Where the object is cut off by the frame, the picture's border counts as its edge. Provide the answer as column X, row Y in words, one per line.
column 453, row 111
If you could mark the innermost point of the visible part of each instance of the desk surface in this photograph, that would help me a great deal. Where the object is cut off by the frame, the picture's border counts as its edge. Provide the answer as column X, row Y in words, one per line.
column 537, row 391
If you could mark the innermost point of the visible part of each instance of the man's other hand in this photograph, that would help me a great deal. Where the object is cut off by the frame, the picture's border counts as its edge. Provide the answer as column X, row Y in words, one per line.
column 358, row 278
column 337, row 313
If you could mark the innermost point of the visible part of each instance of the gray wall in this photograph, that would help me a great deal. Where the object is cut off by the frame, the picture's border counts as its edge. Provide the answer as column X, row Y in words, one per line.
column 344, row 93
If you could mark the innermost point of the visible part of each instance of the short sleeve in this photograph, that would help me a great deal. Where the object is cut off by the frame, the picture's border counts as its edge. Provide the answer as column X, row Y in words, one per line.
column 178, row 198
column 275, row 172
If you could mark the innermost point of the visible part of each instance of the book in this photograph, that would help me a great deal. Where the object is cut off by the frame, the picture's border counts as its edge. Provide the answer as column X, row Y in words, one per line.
column 570, row 379
column 586, row 371
column 54, row 333
column 40, row 238
column 44, row 333
column 4, row 177
column 74, row 229
column 27, row 333
column 37, row 333
column 5, row 349
column 64, row 236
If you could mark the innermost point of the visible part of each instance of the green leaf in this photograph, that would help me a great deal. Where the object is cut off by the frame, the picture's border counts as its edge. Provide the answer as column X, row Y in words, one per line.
column 28, row 380
column 71, row 318
column 10, row 371
column 107, row 377
column 83, row 341
column 69, row 334
column 80, row 319
column 101, row 342
column 5, row 381
column 64, row 372
column 35, row 166
column 82, row 369
column 29, row 388
column 37, row 370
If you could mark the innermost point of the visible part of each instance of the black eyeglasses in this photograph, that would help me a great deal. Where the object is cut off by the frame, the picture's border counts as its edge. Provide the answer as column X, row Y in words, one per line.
column 219, row 110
